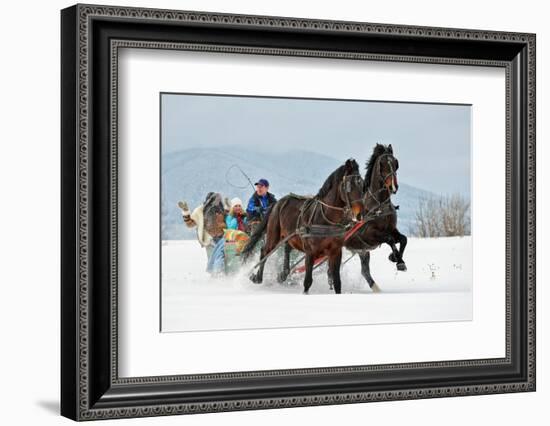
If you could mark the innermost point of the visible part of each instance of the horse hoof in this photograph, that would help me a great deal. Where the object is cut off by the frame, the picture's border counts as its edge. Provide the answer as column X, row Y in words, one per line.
column 375, row 289
column 392, row 258
column 255, row 279
column 401, row 266
column 281, row 277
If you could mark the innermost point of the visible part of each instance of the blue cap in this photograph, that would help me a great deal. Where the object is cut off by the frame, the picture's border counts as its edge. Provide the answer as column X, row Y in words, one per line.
column 263, row 182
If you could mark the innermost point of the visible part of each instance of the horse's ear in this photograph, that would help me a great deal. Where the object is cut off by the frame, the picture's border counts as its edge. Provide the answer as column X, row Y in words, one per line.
column 390, row 148
column 349, row 165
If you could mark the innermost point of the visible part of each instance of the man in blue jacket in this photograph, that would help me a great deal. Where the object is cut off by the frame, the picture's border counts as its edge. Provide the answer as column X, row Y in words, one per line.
column 259, row 203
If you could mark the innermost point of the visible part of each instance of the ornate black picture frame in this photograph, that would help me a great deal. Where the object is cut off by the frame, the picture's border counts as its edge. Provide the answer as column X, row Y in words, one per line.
column 90, row 385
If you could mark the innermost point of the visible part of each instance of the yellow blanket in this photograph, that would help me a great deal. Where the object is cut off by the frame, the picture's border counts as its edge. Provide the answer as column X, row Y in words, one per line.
column 234, row 236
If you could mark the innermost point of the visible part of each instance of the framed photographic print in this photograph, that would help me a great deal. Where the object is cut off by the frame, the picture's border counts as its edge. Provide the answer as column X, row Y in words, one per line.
column 263, row 212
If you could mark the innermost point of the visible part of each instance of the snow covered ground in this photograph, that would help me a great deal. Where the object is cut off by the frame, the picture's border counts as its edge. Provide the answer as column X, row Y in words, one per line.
column 436, row 287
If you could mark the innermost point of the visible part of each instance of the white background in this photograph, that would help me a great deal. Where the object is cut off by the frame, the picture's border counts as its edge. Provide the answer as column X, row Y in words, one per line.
column 146, row 352
column 29, row 168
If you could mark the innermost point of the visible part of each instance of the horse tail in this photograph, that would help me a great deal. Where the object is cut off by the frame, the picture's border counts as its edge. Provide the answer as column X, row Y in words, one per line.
column 256, row 235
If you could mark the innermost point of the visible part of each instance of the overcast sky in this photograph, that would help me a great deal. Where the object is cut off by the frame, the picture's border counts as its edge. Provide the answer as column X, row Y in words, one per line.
column 431, row 141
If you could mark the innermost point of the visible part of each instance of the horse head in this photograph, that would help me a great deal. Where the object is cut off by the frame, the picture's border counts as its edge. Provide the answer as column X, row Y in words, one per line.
column 343, row 190
column 382, row 170
column 351, row 190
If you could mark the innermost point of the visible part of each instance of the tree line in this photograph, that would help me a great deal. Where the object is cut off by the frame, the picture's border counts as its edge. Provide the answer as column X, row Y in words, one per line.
column 445, row 216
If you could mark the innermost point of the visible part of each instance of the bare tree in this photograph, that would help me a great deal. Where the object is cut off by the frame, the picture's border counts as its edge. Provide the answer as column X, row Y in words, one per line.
column 445, row 216
column 455, row 217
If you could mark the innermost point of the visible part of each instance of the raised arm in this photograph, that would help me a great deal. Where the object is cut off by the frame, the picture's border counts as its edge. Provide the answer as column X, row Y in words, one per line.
column 186, row 214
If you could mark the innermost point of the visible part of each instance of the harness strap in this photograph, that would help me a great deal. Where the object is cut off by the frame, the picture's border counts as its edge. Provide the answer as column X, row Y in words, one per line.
column 323, row 259
column 321, row 231
column 331, row 207
column 353, row 230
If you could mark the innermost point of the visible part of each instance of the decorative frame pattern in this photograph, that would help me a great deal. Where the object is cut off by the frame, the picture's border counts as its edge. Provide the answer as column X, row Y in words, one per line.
column 87, row 402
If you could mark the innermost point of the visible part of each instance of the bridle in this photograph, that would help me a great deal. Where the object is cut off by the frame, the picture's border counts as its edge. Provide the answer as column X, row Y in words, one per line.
column 382, row 178
column 345, row 188
column 392, row 173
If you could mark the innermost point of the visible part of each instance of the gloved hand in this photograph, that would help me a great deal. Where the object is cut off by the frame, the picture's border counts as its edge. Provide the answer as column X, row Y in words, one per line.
column 184, row 208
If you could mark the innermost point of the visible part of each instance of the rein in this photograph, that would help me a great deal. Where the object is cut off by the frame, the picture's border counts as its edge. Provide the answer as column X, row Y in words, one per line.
column 384, row 204
column 344, row 190
column 375, row 198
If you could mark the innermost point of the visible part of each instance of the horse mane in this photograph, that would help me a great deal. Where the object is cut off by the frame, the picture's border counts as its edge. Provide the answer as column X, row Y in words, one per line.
column 337, row 175
column 378, row 150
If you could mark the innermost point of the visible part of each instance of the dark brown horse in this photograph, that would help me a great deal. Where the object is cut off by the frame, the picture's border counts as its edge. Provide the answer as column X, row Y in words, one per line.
column 380, row 214
column 314, row 226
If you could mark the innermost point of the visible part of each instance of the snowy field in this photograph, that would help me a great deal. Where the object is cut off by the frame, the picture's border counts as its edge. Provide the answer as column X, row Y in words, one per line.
column 436, row 287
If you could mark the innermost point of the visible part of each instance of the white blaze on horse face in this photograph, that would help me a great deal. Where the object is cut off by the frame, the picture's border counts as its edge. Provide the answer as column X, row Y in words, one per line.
column 389, row 184
column 391, row 180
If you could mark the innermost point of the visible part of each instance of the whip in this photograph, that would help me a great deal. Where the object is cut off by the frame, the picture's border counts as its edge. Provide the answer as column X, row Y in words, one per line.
column 236, row 166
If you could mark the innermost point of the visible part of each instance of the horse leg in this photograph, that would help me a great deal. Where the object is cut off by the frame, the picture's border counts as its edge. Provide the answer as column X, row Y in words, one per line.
column 269, row 246
column 394, row 256
column 397, row 255
column 258, row 277
column 272, row 238
column 308, row 278
column 402, row 244
column 402, row 240
column 330, row 279
column 283, row 275
column 365, row 271
column 334, row 263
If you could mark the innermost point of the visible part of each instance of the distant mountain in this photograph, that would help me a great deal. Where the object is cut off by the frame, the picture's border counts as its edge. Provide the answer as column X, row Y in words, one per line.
column 190, row 174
